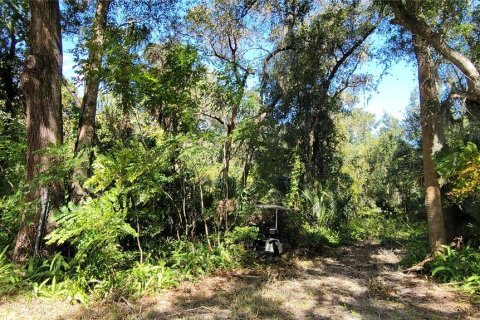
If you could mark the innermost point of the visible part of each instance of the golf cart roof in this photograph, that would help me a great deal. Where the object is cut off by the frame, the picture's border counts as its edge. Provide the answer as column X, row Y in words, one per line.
column 271, row 206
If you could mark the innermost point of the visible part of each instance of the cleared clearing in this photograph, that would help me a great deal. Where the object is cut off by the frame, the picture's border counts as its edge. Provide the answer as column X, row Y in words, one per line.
column 357, row 282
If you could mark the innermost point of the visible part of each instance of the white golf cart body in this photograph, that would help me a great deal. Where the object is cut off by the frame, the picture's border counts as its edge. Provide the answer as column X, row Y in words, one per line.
column 273, row 244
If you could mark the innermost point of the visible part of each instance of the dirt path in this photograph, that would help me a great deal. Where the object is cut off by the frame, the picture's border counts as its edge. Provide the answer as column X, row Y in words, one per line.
column 358, row 282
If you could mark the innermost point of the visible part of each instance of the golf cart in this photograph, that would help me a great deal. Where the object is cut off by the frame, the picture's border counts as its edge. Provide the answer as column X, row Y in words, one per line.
column 270, row 238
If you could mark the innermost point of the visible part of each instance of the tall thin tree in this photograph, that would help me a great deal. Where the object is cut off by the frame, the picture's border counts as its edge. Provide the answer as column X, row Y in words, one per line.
column 86, row 126
column 429, row 105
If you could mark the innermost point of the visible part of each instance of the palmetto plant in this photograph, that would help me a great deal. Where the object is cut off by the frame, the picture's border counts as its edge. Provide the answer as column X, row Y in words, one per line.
column 320, row 205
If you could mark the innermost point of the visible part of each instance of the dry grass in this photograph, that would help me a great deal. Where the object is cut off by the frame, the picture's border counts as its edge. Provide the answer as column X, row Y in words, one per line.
column 358, row 282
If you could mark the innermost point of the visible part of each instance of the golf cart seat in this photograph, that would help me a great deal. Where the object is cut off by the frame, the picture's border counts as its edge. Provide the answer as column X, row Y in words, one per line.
column 270, row 239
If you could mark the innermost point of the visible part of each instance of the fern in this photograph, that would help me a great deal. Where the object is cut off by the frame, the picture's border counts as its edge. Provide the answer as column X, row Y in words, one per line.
column 95, row 228
column 461, row 266
column 9, row 278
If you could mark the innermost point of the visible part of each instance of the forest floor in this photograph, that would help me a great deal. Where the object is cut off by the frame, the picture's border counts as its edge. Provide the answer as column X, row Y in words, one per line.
column 362, row 281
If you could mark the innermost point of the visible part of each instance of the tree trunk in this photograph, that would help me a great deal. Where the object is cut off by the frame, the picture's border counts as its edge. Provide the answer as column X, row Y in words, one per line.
column 86, row 126
column 41, row 82
column 126, row 128
column 227, row 149
column 247, row 165
column 227, row 155
column 429, row 104
column 411, row 20
column 202, row 206
column 312, row 173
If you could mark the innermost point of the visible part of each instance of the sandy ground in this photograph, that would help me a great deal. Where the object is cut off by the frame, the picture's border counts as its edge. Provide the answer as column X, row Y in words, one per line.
column 356, row 282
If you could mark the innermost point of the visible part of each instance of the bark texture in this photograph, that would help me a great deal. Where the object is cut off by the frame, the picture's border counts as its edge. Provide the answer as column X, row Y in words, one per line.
column 429, row 105
column 41, row 82
column 86, row 126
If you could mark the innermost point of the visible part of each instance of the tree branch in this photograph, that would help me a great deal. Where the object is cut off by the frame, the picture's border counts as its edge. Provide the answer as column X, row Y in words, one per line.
column 421, row 28
column 267, row 60
column 248, row 6
column 72, row 93
column 213, row 117
column 350, row 51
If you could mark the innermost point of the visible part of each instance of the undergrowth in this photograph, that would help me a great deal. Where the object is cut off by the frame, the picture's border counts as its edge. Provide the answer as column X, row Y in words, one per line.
column 315, row 237
column 59, row 278
column 458, row 266
column 461, row 267
column 373, row 225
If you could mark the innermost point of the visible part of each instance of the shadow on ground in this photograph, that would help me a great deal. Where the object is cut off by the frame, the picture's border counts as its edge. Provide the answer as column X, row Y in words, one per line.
column 356, row 282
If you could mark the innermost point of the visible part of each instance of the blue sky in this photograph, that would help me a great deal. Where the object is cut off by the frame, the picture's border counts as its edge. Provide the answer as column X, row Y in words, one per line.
column 68, row 63
column 393, row 93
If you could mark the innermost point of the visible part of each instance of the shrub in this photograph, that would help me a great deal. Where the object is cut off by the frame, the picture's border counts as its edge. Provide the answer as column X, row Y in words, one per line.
column 9, row 278
column 241, row 235
column 373, row 225
column 95, row 228
column 460, row 166
column 147, row 277
column 315, row 237
column 461, row 266
column 196, row 258
column 417, row 249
